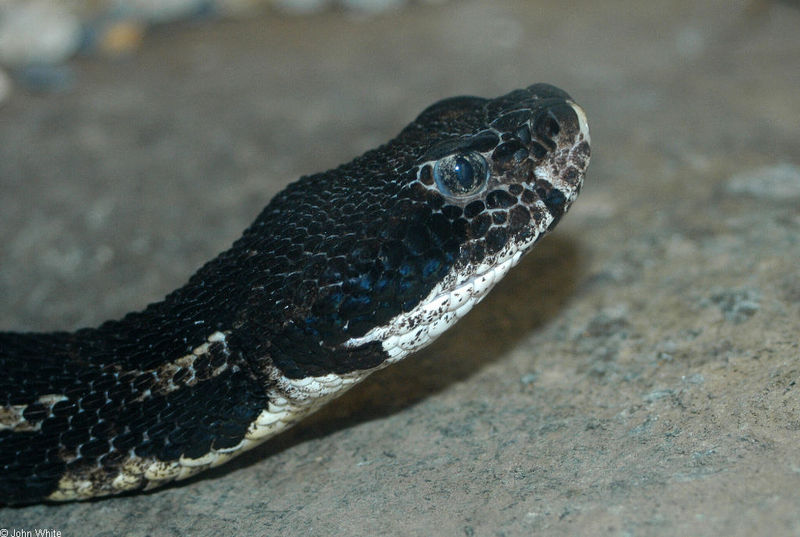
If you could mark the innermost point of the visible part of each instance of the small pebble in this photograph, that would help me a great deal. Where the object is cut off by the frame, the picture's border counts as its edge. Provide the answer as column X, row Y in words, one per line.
column 695, row 378
column 37, row 32
column 737, row 305
column 777, row 182
column 529, row 378
column 120, row 38
column 655, row 395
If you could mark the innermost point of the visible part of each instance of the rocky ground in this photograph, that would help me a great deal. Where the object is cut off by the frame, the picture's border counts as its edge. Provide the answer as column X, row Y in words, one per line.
column 636, row 375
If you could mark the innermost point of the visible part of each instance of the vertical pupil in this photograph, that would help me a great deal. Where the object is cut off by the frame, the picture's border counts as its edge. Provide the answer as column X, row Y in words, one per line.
column 464, row 173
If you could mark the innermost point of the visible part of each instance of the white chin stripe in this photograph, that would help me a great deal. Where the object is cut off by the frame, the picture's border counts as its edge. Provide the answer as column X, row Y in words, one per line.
column 449, row 301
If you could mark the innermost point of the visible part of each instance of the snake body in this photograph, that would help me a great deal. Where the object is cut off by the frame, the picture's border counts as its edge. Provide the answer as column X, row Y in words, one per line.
column 343, row 273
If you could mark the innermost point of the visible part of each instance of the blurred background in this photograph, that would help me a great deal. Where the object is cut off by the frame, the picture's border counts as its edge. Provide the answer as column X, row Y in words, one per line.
column 635, row 375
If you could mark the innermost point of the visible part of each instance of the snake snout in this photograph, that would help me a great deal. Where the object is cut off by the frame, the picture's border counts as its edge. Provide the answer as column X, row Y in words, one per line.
column 560, row 124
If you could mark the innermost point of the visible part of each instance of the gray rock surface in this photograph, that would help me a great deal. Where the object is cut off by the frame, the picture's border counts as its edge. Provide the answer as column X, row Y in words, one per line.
column 636, row 375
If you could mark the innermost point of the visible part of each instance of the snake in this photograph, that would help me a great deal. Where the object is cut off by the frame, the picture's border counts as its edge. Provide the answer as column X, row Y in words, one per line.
column 343, row 273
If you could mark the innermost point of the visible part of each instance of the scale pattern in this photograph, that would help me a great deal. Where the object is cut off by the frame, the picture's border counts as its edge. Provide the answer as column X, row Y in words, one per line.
column 344, row 272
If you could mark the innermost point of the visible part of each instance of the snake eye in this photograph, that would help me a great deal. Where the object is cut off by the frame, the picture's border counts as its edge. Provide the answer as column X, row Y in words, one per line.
column 462, row 174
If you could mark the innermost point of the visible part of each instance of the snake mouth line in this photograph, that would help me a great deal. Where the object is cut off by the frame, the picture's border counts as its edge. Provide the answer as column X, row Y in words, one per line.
column 445, row 305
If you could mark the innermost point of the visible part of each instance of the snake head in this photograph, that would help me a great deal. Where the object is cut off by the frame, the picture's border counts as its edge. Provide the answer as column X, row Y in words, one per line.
column 518, row 164
column 489, row 178
column 390, row 250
